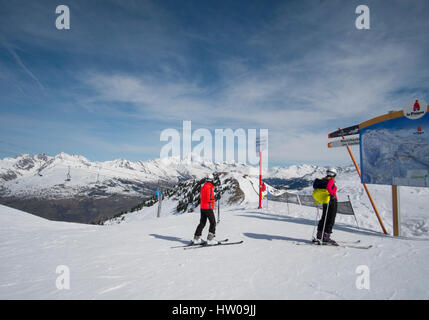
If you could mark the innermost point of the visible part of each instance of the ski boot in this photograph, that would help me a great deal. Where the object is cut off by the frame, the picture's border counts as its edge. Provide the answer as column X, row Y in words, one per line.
column 328, row 241
column 325, row 240
column 197, row 240
column 211, row 240
column 318, row 239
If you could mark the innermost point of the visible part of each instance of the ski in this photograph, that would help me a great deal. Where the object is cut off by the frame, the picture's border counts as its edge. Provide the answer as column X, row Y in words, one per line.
column 204, row 243
column 353, row 242
column 214, row 245
column 338, row 245
column 349, row 242
column 191, row 244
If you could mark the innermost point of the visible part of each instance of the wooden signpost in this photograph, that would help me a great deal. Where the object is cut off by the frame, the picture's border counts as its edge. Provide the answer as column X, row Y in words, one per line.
column 347, row 143
column 391, row 148
column 396, row 211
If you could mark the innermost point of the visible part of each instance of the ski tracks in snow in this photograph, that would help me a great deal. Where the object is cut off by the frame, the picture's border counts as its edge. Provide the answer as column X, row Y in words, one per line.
column 108, row 290
column 331, row 294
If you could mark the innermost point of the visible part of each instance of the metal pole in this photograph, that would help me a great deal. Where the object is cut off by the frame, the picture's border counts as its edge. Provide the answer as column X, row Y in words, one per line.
column 287, row 200
column 354, row 213
column 396, row 211
column 366, row 189
column 326, row 217
column 260, row 180
column 267, row 198
column 317, row 218
column 159, row 206
column 218, row 212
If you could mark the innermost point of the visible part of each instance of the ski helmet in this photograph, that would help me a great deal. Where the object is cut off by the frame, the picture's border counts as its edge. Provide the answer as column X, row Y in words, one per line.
column 331, row 172
column 210, row 177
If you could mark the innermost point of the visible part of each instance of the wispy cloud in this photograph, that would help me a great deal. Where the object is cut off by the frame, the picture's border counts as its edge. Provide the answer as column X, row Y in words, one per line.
column 19, row 62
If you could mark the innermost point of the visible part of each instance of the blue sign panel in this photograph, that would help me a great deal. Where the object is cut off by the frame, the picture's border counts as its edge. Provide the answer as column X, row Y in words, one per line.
column 395, row 150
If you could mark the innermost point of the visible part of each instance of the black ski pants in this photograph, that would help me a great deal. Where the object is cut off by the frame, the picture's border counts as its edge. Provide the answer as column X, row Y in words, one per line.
column 329, row 216
column 206, row 214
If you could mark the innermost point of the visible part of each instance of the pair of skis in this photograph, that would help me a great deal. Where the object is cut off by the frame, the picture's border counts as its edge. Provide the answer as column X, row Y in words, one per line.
column 345, row 244
column 204, row 244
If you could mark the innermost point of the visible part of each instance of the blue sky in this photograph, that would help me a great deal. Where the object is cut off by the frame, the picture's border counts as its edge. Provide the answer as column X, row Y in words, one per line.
column 126, row 70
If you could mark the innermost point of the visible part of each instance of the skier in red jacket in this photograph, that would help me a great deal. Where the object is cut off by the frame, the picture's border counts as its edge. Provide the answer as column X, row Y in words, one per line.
column 207, row 198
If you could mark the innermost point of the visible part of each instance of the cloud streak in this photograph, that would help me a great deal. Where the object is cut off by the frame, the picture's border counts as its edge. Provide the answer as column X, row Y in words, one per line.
column 19, row 62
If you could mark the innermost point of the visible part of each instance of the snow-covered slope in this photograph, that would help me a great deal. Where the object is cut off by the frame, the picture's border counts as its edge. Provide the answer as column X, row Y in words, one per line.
column 135, row 260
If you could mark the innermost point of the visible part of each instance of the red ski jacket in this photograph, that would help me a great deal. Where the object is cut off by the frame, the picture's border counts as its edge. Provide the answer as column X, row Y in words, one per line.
column 207, row 196
column 332, row 188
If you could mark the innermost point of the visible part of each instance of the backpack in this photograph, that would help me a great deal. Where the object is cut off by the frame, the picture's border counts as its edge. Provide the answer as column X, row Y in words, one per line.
column 321, row 196
column 320, row 183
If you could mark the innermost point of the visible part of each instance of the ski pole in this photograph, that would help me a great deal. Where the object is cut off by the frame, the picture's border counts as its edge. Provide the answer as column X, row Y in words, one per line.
column 317, row 218
column 324, row 223
column 218, row 213
column 287, row 201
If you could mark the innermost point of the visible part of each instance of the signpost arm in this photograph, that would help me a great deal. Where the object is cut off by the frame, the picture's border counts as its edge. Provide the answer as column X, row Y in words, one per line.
column 366, row 189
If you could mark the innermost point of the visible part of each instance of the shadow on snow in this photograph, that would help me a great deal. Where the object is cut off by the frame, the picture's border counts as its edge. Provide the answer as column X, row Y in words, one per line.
column 176, row 239
column 259, row 236
column 303, row 221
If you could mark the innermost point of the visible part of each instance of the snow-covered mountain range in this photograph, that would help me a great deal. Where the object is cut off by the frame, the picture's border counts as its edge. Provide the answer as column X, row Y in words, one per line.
column 65, row 176
column 72, row 188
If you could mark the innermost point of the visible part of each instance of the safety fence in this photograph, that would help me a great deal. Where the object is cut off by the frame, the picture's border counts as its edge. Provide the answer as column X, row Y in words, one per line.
column 343, row 207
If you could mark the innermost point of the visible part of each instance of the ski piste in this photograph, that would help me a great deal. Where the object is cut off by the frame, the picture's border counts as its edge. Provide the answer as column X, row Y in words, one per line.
column 344, row 132
column 220, row 243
